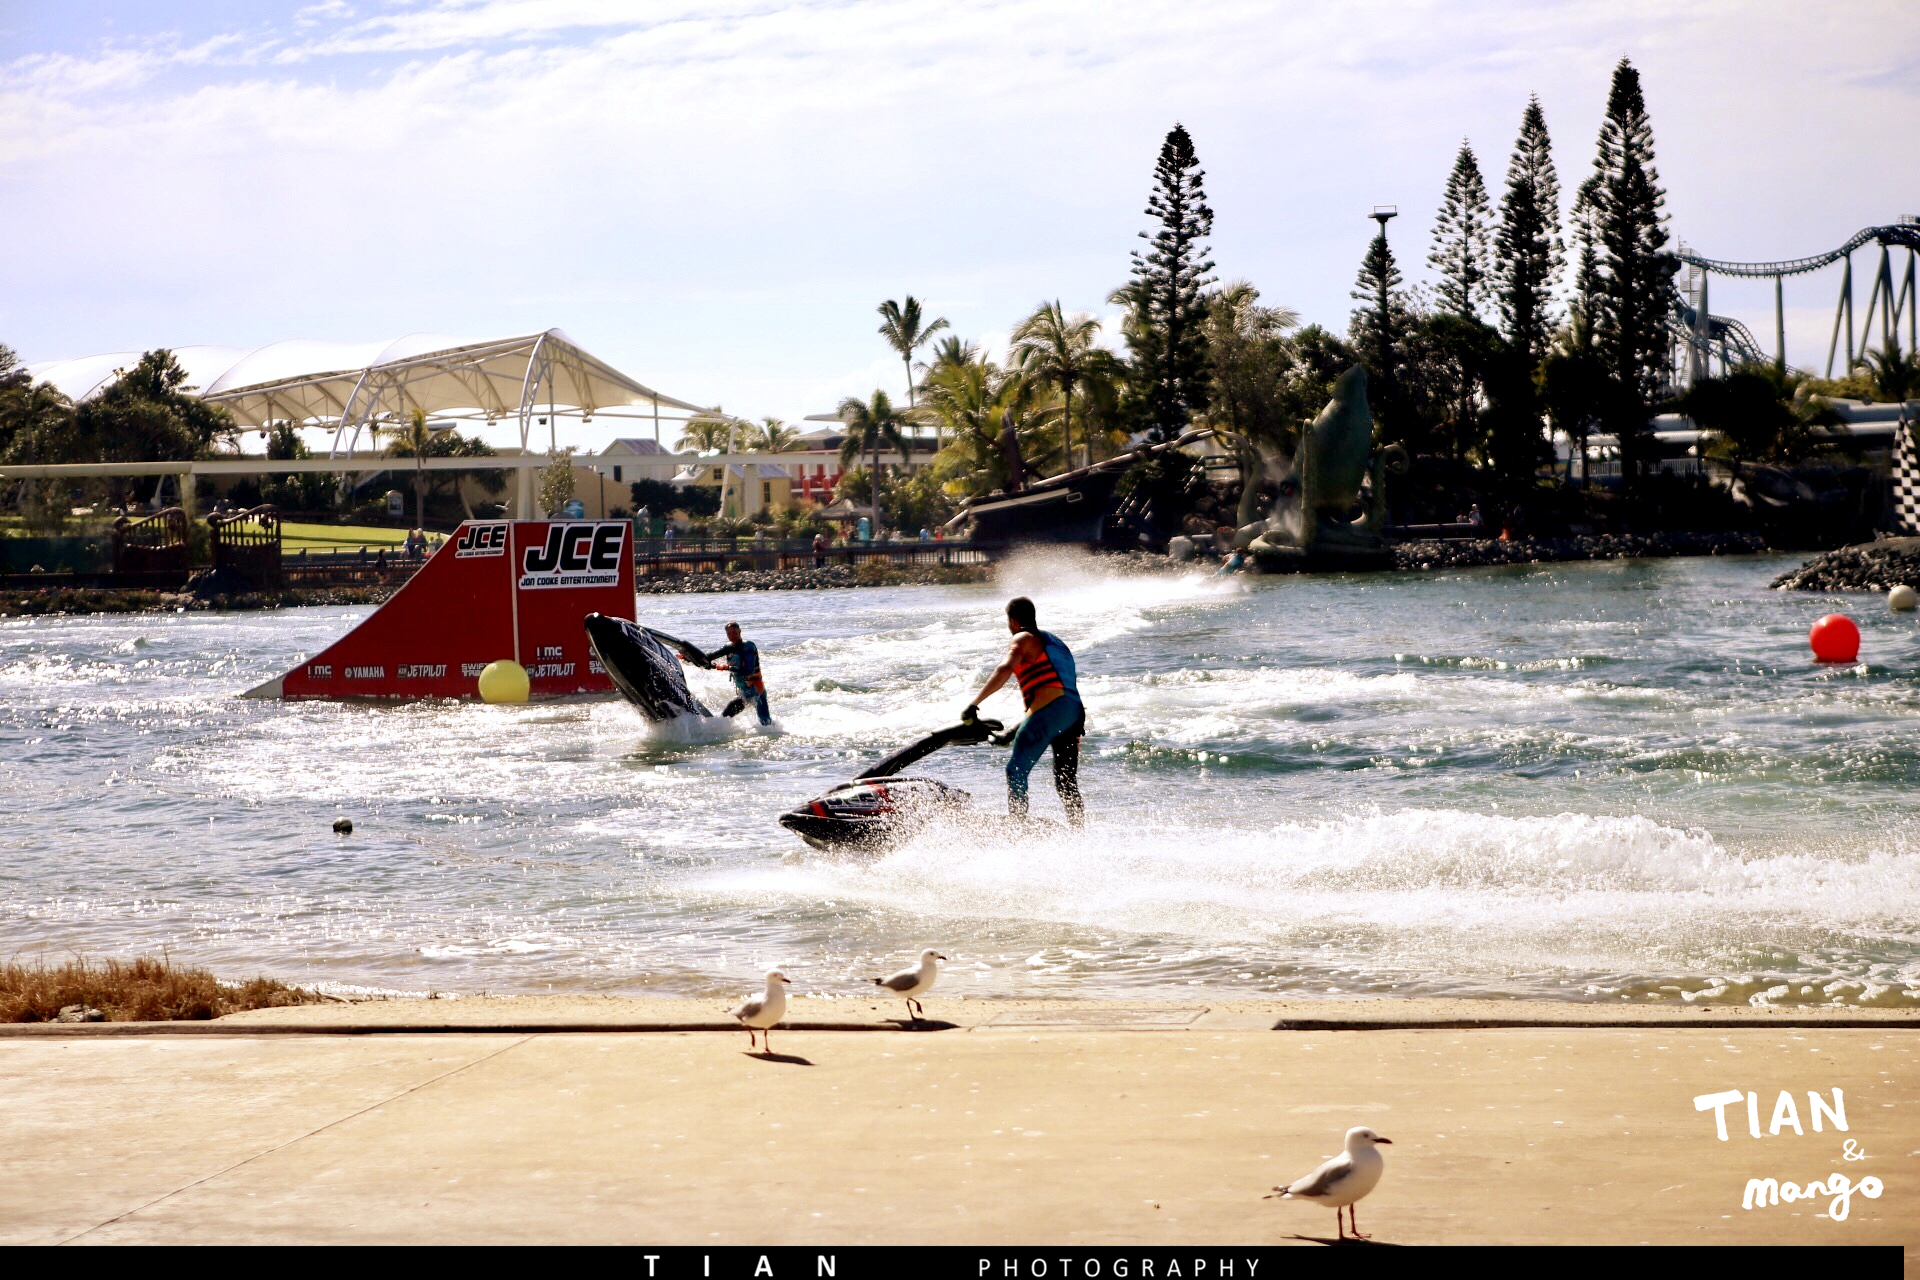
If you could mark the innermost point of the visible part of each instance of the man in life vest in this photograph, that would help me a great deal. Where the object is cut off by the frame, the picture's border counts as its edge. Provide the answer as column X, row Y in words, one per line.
column 1043, row 665
column 742, row 662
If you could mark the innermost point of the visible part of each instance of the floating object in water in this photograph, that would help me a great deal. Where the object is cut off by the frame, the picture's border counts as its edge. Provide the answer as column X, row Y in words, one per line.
column 876, row 809
column 504, row 681
column 343, row 826
column 1835, row 639
column 496, row 589
column 1345, row 1179
column 1902, row 599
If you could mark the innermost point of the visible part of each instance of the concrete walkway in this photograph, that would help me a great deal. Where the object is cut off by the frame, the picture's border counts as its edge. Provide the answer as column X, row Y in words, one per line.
column 1027, row 1123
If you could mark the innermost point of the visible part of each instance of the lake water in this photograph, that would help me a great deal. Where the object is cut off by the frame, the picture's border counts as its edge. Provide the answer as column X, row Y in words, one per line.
column 1584, row 782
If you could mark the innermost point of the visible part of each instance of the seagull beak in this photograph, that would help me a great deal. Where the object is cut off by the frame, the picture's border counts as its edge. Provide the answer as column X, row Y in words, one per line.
column 1384, row 1142
column 939, row 957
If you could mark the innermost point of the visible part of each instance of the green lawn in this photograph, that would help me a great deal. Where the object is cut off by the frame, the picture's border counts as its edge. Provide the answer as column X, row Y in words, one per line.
column 321, row 538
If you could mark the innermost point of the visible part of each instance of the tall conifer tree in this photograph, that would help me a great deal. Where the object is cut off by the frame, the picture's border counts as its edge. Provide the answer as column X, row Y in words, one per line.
column 1528, row 253
column 1631, row 332
column 1462, row 238
column 1168, row 344
column 1378, row 331
column 1589, row 287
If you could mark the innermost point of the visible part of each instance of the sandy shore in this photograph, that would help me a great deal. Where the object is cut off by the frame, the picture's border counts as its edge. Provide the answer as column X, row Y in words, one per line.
column 1020, row 1123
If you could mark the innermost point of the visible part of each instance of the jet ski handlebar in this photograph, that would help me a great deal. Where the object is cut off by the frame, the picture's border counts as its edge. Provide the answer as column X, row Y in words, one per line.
column 971, row 731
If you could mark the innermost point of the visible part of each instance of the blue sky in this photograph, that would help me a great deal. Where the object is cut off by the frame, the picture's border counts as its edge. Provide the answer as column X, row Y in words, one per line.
column 715, row 197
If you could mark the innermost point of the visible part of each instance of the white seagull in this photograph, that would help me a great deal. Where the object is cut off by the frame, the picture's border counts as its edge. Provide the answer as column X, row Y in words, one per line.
column 761, row 1012
column 909, row 983
column 1344, row 1179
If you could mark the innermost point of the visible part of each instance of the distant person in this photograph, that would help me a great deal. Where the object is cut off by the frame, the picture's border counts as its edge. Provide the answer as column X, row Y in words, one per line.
column 1055, row 717
column 926, row 535
column 1474, row 518
column 669, row 535
column 1232, row 559
column 742, row 662
column 820, row 550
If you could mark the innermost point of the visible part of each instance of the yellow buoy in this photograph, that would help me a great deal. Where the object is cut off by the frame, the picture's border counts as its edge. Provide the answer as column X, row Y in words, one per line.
column 504, row 681
column 1902, row 598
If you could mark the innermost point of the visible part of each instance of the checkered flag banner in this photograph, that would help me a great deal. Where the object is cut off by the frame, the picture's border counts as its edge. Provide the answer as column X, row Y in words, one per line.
column 1906, row 477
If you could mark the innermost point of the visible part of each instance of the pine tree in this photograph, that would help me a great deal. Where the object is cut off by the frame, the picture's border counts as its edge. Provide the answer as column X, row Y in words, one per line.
column 1631, row 332
column 1168, row 344
column 1589, row 287
column 1461, row 238
column 1528, row 251
column 1378, row 332
column 1376, row 329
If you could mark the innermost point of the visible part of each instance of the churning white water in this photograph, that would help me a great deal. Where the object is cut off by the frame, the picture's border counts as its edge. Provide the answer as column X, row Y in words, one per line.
column 1574, row 781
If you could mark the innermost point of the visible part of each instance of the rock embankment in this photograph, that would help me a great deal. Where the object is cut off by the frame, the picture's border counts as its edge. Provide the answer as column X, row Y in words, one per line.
column 1464, row 554
column 1870, row 566
column 87, row 600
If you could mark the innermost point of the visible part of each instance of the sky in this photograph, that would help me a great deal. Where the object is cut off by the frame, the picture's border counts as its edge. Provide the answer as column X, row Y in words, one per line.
column 716, row 197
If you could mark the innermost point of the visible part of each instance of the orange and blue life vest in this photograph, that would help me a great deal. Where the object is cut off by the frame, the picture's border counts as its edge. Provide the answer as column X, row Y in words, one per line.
column 1052, row 669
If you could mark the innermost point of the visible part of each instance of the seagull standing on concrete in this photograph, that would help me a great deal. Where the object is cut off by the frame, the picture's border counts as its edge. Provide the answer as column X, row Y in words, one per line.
column 909, row 983
column 761, row 1012
column 1343, row 1180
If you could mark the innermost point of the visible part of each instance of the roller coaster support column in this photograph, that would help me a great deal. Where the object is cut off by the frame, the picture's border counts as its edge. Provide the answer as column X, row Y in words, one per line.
column 1844, row 305
column 1701, row 358
column 1779, row 325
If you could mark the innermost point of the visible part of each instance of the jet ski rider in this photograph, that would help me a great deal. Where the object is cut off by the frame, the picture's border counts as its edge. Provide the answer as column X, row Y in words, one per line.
column 743, row 664
column 1055, row 718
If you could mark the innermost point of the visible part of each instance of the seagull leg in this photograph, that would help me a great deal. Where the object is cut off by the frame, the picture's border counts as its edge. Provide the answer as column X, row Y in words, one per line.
column 1356, row 1223
column 1340, row 1221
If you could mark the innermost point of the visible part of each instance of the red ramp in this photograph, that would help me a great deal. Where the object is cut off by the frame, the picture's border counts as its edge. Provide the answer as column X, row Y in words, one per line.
column 496, row 589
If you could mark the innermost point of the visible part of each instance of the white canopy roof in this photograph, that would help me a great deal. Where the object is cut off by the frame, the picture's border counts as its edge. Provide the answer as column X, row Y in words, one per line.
column 349, row 386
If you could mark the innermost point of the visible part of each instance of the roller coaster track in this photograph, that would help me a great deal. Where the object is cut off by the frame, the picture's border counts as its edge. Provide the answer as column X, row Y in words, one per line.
column 1889, row 303
column 1902, row 235
column 1737, row 343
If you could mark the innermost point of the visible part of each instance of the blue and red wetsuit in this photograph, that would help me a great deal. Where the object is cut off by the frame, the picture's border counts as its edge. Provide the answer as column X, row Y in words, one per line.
column 743, row 664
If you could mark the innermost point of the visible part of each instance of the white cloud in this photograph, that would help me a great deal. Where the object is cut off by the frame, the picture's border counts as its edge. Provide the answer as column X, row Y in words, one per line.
column 716, row 197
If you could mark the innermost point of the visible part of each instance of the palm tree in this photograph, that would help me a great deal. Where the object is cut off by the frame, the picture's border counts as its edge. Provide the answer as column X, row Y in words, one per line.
column 1896, row 375
column 706, row 431
column 867, row 426
column 415, row 440
column 1059, row 352
column 949, row 352
column 900, row 326
column 971, row 401
column 773, row 436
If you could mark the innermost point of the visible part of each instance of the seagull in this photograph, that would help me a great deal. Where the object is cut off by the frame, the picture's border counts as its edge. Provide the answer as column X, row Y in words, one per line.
column 1344, row 1179
column 909, row 983
column 761, row 1012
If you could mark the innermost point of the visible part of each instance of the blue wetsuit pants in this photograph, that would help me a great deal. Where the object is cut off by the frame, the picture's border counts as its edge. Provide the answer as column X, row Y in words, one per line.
column 755, row 698
column 1059, row 725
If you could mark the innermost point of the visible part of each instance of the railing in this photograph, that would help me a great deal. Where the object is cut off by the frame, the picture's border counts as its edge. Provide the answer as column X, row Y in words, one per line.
column 155, row 544
column 247, row 544
column 713, row 555
column 387, row 566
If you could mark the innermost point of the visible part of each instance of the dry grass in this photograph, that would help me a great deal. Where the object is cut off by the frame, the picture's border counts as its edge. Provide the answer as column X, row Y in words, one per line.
column 142, row 990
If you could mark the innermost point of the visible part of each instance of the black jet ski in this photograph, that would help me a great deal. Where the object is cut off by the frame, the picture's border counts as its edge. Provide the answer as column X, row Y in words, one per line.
column 877, row 809
column 645, row 666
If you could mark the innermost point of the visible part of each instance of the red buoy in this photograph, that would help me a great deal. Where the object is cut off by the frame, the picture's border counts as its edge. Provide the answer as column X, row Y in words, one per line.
column 1835, row 639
